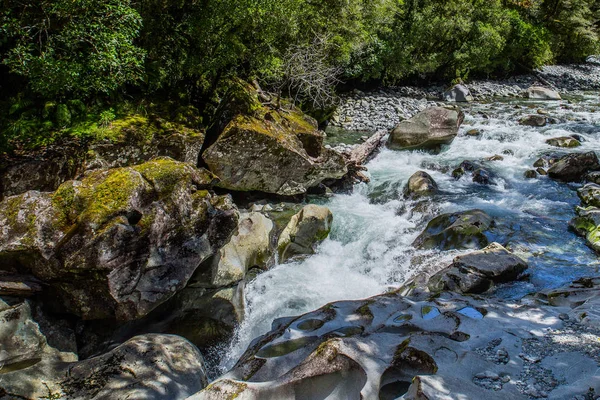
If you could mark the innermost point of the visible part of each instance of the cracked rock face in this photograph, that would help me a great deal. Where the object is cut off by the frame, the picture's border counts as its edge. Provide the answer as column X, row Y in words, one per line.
column 421, row 346
column 119, row 242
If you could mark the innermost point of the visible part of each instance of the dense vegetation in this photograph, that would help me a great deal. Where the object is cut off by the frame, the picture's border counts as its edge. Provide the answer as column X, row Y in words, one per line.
column 69, row 67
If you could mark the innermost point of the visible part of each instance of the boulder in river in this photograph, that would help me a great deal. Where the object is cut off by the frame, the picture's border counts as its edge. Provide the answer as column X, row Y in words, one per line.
column 530, row 174
column 590, row 194
column 478, row 271
column 119, row 242
column 565, row 141
column 420, row 184
column 533, row 120
column 459, row 93
column 427, row 130
column 573, row 167
column 306, row 229
column 152, row 367
column 460, row 230
column 542, row 93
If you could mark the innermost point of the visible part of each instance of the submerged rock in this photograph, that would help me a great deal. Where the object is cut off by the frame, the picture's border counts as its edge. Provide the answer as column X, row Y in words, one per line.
column 306, row 229
column 530, row 174
column 565, row 141
column 573, row 167
column 461, row 230
column 477, row 272
column 420, row 184
column 119, row 242
column 542, row 93
column 427, row 130
column 152, row 367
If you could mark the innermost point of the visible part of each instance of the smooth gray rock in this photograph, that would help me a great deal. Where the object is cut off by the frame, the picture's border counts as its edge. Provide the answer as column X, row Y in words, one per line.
column 306, row 229
column 446, row 346
column 542, row 93
column 459, row 93
column 151, row 367
column 428, row 129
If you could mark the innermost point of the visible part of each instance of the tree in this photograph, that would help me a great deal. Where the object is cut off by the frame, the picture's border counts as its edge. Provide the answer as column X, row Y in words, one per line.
column 72, row 47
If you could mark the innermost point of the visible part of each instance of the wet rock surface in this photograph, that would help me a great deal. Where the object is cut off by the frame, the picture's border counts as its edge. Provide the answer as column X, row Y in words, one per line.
column 462, row 230
column 477, row 272
column 422, row 346
column 574, row 167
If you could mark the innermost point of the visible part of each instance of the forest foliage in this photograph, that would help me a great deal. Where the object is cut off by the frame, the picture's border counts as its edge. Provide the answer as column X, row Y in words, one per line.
column 64, row 61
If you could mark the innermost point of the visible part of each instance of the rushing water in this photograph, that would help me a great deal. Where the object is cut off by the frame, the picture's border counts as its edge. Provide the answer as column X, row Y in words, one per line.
column 369, row 250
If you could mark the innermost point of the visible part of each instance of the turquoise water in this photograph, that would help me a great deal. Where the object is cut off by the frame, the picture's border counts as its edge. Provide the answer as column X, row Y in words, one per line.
column 369, row 250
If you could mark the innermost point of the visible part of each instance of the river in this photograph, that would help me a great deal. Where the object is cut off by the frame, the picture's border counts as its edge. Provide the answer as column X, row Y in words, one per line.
column 369, row 250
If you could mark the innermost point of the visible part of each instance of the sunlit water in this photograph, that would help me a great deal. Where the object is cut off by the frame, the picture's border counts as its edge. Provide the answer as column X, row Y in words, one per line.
column 369, row 250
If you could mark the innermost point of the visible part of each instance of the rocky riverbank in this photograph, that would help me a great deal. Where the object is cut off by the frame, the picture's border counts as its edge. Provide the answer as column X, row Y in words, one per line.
column 386, row 107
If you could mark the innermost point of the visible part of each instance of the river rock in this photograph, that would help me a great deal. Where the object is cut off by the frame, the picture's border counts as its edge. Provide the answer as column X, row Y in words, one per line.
column 420, row 184
column 593, row 177
column 460, row 230
column 152, row 367
column 306, row 229
column 416, row 347
column 542, row 93
column 481, row 176
column 478, row 271
column 533, row 120
column 119, row 242
column 573, row 167
column 428, row 129
column 530, row 174
column 459, row 93
column 268, row 150
column 249, row 248
column 566, row 141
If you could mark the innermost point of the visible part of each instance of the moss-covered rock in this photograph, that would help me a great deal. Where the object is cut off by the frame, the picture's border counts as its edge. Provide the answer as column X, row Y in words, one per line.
column 420, row 184
column 270, row 150
column 564, row 141
column 461, row 230
column 120, row 241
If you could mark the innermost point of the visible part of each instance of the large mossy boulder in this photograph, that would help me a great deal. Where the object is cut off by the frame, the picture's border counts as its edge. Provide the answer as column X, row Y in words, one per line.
column 128, row 141
column 427, row 130
column 265, row 149
column 151, row 367
column 306, row 229
column 119, row 242
column 574, row 167
column 587, row 225
column 460, row 230
column 478, row 271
